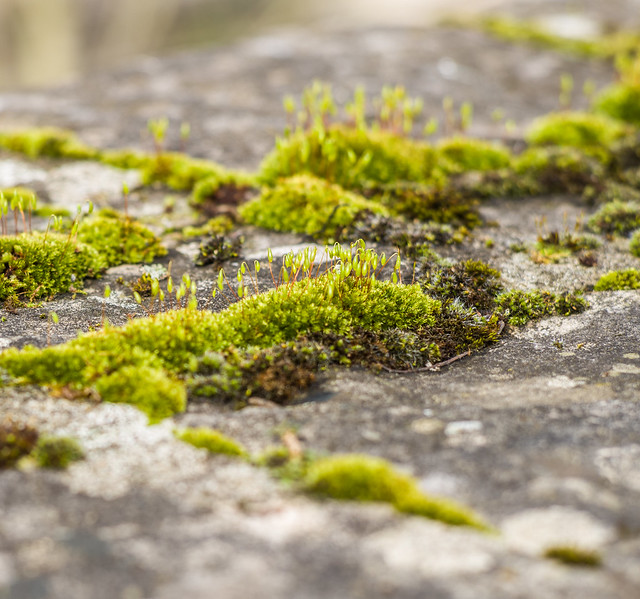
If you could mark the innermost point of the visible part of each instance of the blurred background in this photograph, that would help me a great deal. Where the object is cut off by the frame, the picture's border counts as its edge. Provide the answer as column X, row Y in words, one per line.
column 50, row 42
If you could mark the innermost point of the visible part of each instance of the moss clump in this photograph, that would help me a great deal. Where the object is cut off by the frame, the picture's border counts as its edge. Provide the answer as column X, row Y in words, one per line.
column 278, row 374
column 634, row 244
column 589, row 132
column 57, row 452
column 619, row 280
column 38, row 266
column 520, row 306
column 460, row 154
column 434, row 203
column 119, row 239
column 228, row 188
column 17, row 440
column 542, row 170
column 306, row 204
column 149, row 389
column 555, row 246
column 616, row 217
column 351, row 158
column 48, row 143
column 620, row 101
column 473, row 282
column 212, row 441
column 574, row 556
column 218, row 249
column 363, row 478
column 605, row 46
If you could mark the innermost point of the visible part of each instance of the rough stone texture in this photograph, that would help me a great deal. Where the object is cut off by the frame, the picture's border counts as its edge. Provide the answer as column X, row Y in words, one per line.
column 539, row 433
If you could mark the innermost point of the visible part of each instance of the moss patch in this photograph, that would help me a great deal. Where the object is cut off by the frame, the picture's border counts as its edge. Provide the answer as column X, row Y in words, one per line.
column 17, row 440
column 306, row 204
column 119, row 239
column 619, row 280
column 616, row 217
column 574, row 556
column 521, row 306
column 211, row 440
column 38, row 266
column 363, row 478
column 57, row 452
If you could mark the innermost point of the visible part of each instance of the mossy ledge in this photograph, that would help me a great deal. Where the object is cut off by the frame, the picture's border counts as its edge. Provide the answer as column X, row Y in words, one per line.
column 355, row 477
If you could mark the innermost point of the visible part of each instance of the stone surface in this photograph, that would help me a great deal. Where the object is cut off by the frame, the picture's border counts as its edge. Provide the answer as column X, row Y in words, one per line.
column 539, row 433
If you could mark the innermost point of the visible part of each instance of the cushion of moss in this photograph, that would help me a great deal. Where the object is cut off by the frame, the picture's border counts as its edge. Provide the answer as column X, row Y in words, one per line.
column 619, row 280
column 620, row 101
column 173, row 340
column 149, row 389
column 306, row 204
column 47, row 142
column 460, row 154
column 634, row 244
column 57, row 452
column 120, row 240
column 616, row 217
column 34, row 268
column 522, row 306
column 207, row 187
column 349, row 157
column 211, row 440
column 578, row 129
column 362, row 478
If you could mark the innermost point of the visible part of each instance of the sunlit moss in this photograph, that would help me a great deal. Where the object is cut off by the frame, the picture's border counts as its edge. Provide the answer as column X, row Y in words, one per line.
column 211, row 440
column 460, row 154
column 519, row 307
column 56, row 452
column 119, row 239
column 306, row 204
column 362, row 478
column 619, row 280
column 574, row 556
column 589, row 132
column 47, row 142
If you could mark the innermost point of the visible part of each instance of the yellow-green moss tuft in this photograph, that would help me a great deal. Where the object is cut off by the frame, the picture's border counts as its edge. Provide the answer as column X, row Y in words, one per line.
column 590, row 132
column 56, row 452
column 306, row 204
column 574, row 556
column 119, row 239
column 619, row 280
column 149, row 389
column 211, row 440
column 47, row 142
column 362, row 478
column 461, row 154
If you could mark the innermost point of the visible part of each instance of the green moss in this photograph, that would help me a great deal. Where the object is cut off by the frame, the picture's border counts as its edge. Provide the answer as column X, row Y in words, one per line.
column 589, row 132
column 38, row 266
column 17, row 440
column 119, row 239
column 218, row 225
column 473, row 282
column 218, row 249
column 634, row 244
column 574, row 556
column 620, row 101
column 212, row 441
column 306, row 204
column 460, row 154
column 47, row 142
column 445, row 204
column 547, row 170
column 351, row 158
column 149, row 389
column 363, row 478
column 228, row 188
column 520, row 306
column 616, row 217
column 57, row 452
column 619, row 280
column 605, row 46
column 48, row 211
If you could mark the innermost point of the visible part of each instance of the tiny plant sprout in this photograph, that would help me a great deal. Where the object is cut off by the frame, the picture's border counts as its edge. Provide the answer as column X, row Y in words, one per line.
column 466, row 115
column 137, row 297
column 431, row 127
column 256, row 266
column 270, row 255
column 185, row 131
column 170, row 285
column 221, row 279
column 107, row 292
